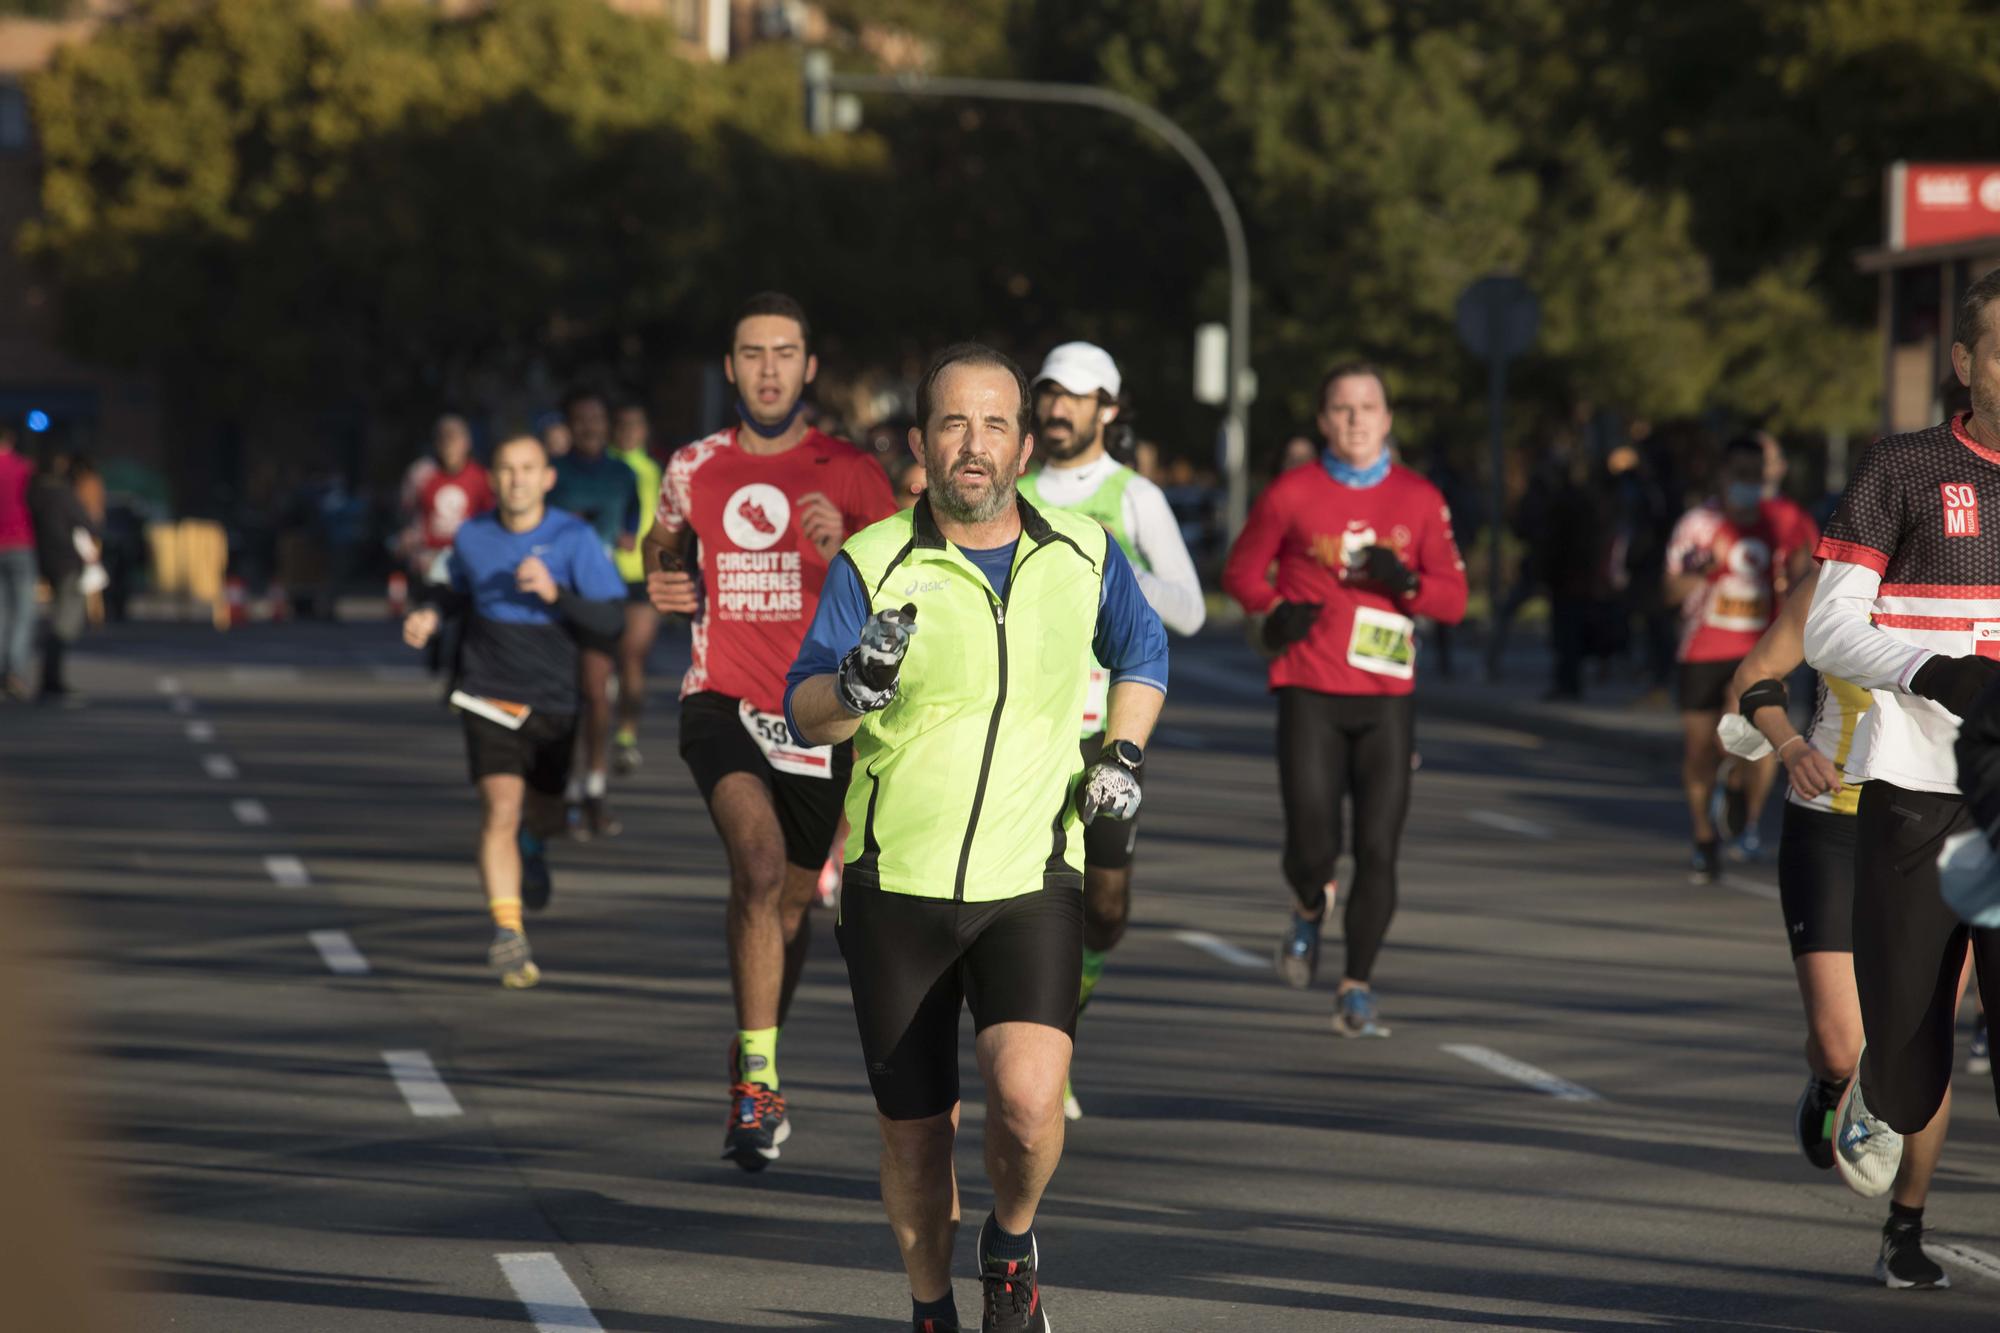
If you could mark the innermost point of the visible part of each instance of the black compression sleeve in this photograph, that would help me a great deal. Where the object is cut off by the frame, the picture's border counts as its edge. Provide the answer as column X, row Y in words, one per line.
column 603, row 619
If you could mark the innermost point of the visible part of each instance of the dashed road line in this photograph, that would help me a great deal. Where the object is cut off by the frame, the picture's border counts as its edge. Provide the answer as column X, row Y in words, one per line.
column 1541, row 1080
column 201, row 733
column 554, row 1304
column 1527, row 828
column 250, row 811
column 336, row 949
column 1217, row 947
column 219, row 766
column 287, row 872
column 421, row 1084
column 1964, row 1256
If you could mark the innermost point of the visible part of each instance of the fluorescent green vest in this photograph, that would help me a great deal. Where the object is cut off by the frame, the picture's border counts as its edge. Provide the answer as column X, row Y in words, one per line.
column 632, row 564
column 1104, row 505
column 963, row 786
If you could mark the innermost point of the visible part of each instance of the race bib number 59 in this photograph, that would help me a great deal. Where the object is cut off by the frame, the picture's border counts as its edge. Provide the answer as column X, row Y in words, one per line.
column 1383, row 642
column 781, row 752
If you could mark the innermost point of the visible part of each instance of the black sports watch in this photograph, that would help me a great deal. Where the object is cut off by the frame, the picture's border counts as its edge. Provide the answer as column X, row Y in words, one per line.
column 1126, row 754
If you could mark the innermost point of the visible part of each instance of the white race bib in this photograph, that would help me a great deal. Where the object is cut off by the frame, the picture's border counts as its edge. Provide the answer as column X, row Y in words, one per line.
column 1383, row 642
column 1098, row 702
column 1739, row 604
column 781, row 752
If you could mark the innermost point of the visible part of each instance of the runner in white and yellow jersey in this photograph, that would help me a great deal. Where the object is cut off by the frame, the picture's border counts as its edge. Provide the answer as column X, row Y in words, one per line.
column 1816, row 853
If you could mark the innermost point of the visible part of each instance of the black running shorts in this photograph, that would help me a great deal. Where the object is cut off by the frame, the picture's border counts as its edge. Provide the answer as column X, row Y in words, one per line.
column 1703, row 684
column 539, row 752
column 1908, row 951
column 912, row 962
column 1108, row 844
column 1816, row 880
column 715, row 743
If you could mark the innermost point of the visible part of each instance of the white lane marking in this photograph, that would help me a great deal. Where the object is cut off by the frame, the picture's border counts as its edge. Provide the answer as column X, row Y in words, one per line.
column 421, row 1084
column 1755, row 888
column 336, row 949
column 253, row 675
column 554, row 1304
column 1527, row 828
column 168, row 684
column 287, row 872
column 1964, row 1256
column 1541, row 1080
column 201, row 733
column 250, row 811
column 1216, row 946
column 182, row 705
column 219, row 766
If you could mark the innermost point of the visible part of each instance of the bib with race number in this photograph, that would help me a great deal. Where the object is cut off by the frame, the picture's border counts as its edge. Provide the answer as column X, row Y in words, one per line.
column 781, row 752
column 1740, row 604
column 1383, row 642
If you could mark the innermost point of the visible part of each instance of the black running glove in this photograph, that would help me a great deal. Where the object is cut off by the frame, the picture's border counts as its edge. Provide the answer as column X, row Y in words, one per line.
column 1954, row 682
column 1287, row 623
column 866, row 681
column 1379, row 564
column 1978, row 754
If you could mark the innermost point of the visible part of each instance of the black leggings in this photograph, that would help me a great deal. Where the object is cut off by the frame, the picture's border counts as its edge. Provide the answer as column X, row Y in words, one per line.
column 1334, row 748
column 1908, row 950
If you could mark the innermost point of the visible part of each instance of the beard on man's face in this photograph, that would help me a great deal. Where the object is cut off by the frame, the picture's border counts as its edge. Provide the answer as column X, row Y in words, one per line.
column 1065, row 444
column 963, row 503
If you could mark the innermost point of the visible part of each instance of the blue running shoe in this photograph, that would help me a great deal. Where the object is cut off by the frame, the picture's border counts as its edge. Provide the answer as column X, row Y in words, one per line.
column 1354, row 1015
column 1298, row 952
column 535, row 883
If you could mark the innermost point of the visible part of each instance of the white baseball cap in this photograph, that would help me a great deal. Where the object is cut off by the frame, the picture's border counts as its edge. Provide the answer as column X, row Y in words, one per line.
column 1081, row 368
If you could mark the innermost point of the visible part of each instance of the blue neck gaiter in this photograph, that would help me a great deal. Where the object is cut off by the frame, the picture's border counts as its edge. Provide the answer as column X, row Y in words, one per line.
column 769, row 432
column 1360, row 478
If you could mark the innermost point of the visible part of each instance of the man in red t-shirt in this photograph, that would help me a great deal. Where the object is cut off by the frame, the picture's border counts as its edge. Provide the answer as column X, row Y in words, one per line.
column 749, row 519
column 440, row 492
column 1730, row 562
column 1362, row 547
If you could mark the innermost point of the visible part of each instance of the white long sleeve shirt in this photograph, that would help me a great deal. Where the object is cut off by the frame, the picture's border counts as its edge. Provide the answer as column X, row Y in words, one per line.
column 1167, row 579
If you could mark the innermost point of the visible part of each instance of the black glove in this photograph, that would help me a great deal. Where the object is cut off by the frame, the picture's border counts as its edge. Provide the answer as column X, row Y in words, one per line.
column 1287, row 623
column 1978, row 753
column 866, row 681
column 1954, row 682
column 1379, row 564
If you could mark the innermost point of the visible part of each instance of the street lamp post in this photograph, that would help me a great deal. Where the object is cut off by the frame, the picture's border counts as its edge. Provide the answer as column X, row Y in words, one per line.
column 822, row 84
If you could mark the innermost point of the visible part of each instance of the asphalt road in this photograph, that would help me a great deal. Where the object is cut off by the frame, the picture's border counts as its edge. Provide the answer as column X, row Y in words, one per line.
column 1582, row 1120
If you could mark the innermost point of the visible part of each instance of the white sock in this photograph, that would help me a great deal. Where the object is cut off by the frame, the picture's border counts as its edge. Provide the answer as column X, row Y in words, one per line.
column 594, row 786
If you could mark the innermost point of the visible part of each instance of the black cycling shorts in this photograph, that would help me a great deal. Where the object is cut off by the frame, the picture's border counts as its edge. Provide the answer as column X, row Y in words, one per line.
column 1108, row 844
column 1908, row 951
column 539, row 752
column 911, row 963
column 1703, row 685
column 714, row 744
column 1816, row 880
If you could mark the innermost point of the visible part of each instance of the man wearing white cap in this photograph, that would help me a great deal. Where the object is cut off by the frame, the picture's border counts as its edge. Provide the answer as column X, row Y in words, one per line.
column 1076, row 397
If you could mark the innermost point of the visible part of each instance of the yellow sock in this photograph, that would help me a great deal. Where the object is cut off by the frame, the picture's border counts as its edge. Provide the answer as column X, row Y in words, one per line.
column 757, row 1056
column 507, row 913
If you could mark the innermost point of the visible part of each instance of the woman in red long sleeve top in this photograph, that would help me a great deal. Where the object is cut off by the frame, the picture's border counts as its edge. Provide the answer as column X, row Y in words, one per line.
column 1362, row 546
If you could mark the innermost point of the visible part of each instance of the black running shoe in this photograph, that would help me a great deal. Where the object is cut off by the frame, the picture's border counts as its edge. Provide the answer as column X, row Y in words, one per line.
column 1707, row 862
column 757, row 1125
column 1013, row 1300
column 1813, row 1125
column 536, row 886
column 597, row 817
column 1297, row 956
column 1903, row 1262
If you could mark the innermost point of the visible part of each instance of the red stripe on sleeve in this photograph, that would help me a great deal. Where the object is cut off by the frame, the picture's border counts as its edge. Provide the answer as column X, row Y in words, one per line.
column 1852, row 553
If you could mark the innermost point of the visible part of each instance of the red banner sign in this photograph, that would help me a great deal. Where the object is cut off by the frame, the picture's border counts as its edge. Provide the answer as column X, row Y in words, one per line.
column 1932, row 203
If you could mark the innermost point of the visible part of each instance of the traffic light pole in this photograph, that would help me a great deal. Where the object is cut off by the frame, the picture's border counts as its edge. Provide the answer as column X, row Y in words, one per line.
column 822, row 82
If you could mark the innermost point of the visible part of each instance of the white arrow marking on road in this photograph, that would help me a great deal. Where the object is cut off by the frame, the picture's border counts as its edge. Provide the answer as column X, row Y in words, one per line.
column 287, row 872
column 219, row 766
column 1977, row 1261
column 250, row 812
column 1541, row 1080
column 1527, row 828
column 421, row 1085
column 337, row 949
column 168, row 684
column 554, row 1303
column 1216, row 946
column 201, row 733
